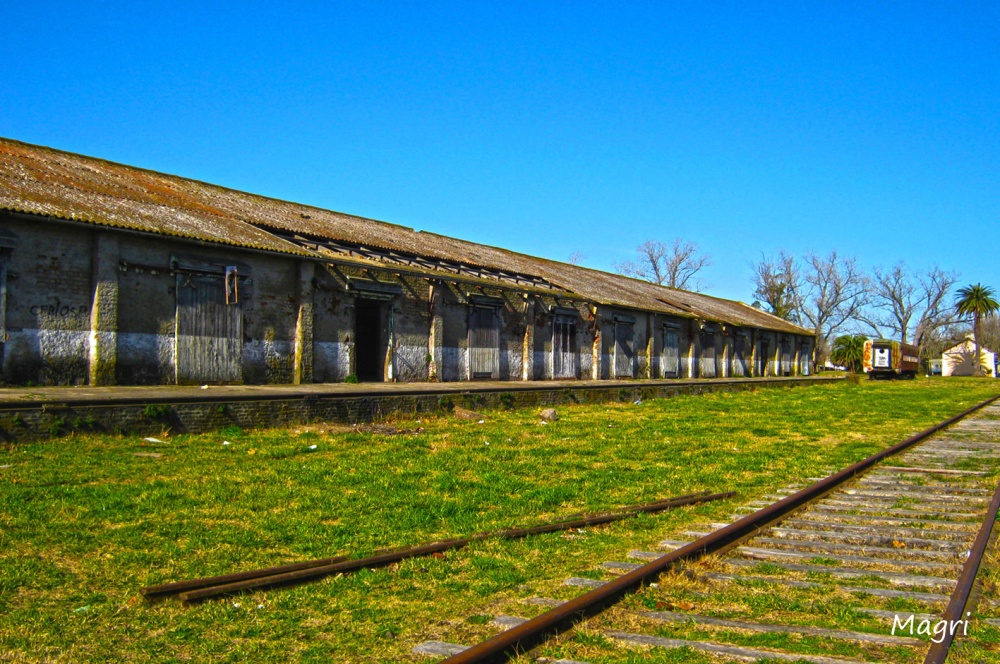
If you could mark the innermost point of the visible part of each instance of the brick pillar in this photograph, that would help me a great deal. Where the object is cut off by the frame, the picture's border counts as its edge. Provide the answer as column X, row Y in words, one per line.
column 436, row 336
column 304, row 325
column 104, row 310
column 528, row 351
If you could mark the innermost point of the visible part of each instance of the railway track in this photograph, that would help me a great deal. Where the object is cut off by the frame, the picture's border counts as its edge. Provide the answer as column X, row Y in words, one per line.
column 860, row 566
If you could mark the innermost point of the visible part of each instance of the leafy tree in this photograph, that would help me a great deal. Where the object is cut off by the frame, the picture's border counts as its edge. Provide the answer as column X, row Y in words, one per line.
column 849, row 351
column 979, row 302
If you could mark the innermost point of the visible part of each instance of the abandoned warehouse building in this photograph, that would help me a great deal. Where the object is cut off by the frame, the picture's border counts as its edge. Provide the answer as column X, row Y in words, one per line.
column 111, row 274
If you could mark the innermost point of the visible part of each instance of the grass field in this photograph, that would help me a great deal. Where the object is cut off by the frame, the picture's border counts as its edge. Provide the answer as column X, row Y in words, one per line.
column 85, row 521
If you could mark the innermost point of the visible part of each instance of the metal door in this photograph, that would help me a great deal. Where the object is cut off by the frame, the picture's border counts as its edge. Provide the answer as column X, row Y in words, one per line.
column 739, row 356
column 706, row 365
column 624, row 350
column 484, row 342
column 670, row 359
column 563, row 348
column 209, row 334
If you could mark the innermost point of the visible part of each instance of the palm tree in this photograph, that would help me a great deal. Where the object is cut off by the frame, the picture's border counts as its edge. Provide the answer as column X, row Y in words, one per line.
column 849, row 351
column 980, row 302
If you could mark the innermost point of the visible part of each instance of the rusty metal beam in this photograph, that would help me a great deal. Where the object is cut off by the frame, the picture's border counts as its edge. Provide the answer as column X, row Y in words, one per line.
column 200, row 589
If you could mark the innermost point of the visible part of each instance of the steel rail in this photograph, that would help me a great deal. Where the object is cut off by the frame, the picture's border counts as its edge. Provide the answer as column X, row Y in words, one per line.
column 955, row 612
column 534, row 632
column 204, row 588
column 177, row 587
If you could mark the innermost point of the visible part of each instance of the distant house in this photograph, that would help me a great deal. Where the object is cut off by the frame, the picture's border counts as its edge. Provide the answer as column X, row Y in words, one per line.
column 959, row 360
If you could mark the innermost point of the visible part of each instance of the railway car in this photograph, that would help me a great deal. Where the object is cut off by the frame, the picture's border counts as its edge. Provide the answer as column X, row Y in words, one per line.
column 890, row 359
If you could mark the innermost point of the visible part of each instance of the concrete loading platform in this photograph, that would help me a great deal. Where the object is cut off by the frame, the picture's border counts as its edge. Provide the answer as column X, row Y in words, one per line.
column 42, row 412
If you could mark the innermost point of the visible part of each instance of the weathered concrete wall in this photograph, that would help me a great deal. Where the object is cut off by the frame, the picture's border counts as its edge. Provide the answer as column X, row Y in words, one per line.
column 333, row 327
column 99, row 306
column 49, row 298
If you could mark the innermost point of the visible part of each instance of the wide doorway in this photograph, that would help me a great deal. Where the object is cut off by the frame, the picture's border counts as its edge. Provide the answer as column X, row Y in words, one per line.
column 371, row 339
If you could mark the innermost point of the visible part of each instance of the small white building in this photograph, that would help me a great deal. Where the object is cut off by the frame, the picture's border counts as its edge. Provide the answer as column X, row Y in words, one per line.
column 959, row 360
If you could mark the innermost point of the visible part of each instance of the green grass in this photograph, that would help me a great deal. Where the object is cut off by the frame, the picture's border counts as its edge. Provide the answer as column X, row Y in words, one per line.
column 85, row 523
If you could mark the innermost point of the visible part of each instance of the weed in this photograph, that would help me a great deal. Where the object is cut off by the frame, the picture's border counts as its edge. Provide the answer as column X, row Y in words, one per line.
column 507, row 400
column 222, row 409
column 56, row 428
column 156, row 411
column 351, row 379
column 446, row 404
column 85, row 423
column 18, row 420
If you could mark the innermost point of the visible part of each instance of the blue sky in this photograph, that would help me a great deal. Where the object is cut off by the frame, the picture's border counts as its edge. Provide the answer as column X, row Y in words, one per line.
column 552, row 128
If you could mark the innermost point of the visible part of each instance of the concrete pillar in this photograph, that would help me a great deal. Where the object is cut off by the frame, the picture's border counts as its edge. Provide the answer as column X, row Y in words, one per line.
column 777, row 355
column 435, row 337
column 304, row 325
column 650, row 346
column 726, row 355
column 595, row 370
column 528, row 350
column 694, row 349
column 104, row 310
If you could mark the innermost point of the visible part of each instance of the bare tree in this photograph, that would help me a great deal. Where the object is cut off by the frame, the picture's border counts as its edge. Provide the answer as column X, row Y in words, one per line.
column 989, row 331
column 576, row 258
column 835, row 292
column 777, row 284
column 905, row 302
column 673, row 265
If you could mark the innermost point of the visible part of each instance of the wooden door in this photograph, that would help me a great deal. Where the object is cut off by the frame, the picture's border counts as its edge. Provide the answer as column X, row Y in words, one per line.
column 624, row 350
column 763, row 357
column 670, row 359
column 786, row 357
column 209, row 333
column 740, row 344
column 484, row 343
column 706, row 365
column 563, row 348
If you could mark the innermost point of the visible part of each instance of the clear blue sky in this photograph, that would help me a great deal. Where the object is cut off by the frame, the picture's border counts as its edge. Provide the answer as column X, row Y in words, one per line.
column 551, row 128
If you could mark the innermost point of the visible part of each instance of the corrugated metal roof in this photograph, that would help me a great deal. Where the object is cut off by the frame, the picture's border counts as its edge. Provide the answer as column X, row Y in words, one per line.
column 59, row 184
column 48, row 182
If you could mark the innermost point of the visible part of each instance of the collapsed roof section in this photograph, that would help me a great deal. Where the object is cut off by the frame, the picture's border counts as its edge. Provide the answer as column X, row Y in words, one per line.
column 42, row 181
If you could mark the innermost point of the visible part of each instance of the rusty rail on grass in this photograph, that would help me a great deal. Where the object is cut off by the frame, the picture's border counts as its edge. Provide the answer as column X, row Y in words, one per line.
column 534, row 632
column 195, row 590
column 955, row 612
